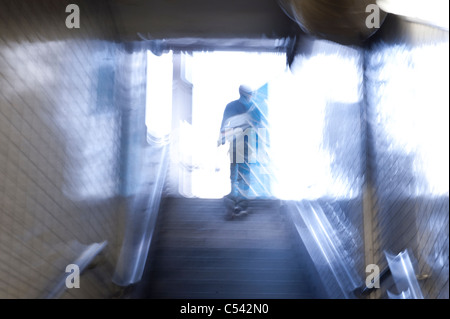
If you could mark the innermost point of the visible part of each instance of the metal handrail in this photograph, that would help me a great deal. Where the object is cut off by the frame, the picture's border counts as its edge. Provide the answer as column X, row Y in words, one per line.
column 83, row 261
column 364, row 290
column 400, row 268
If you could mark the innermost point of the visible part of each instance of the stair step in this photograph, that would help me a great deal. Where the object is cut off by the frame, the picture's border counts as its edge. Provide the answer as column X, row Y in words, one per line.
column 232, row 259
column 221, row 225
column 232, row 289
column 198, row 253
column 211, row 233
column 253, row 254
column 234, row 263
column 222, row 242
column 239, row 274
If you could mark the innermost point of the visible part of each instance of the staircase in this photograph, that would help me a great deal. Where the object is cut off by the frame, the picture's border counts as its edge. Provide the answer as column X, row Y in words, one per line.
column 198, row 253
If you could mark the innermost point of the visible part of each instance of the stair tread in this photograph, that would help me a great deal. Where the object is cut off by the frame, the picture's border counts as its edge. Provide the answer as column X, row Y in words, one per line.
column 223, row 242
column 240, row 253
column 198, row 253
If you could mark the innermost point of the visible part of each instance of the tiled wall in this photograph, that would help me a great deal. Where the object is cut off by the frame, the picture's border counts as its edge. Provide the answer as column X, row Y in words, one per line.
column 408, row 129
column 334, row 219
column 392, row 149
column 59, row 141
column 343, row 136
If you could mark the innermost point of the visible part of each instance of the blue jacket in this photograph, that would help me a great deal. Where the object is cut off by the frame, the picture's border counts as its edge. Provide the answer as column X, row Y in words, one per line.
column 234, row 108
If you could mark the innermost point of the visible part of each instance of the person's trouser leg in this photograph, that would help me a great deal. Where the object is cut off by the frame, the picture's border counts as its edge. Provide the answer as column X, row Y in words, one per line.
column 230, row 199
column 243, row 186
column 239, row 178
column 234, row 180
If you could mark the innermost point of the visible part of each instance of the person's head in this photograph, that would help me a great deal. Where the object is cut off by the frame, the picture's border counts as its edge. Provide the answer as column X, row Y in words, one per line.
column 246, row 92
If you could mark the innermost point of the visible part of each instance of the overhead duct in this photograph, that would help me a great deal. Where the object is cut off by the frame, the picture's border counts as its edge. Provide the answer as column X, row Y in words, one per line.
column 342, row 21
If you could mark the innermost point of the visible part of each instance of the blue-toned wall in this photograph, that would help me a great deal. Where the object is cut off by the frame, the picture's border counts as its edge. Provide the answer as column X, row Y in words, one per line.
column 59, row 146
column 390, row 154
column 407, row 95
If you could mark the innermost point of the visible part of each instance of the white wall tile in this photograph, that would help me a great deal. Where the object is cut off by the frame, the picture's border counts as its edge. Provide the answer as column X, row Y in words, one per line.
column 47, row 86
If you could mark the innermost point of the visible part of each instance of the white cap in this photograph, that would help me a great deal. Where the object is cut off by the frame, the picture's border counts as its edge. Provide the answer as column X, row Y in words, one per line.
column 245, row 90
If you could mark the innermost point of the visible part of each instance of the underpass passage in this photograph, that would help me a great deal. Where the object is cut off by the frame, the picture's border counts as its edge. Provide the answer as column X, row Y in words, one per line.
column 366, row 156
column 198, row 253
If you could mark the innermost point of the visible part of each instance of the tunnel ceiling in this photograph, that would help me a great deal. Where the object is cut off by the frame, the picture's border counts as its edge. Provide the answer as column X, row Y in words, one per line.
column 162, row 19
column 336, row 20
